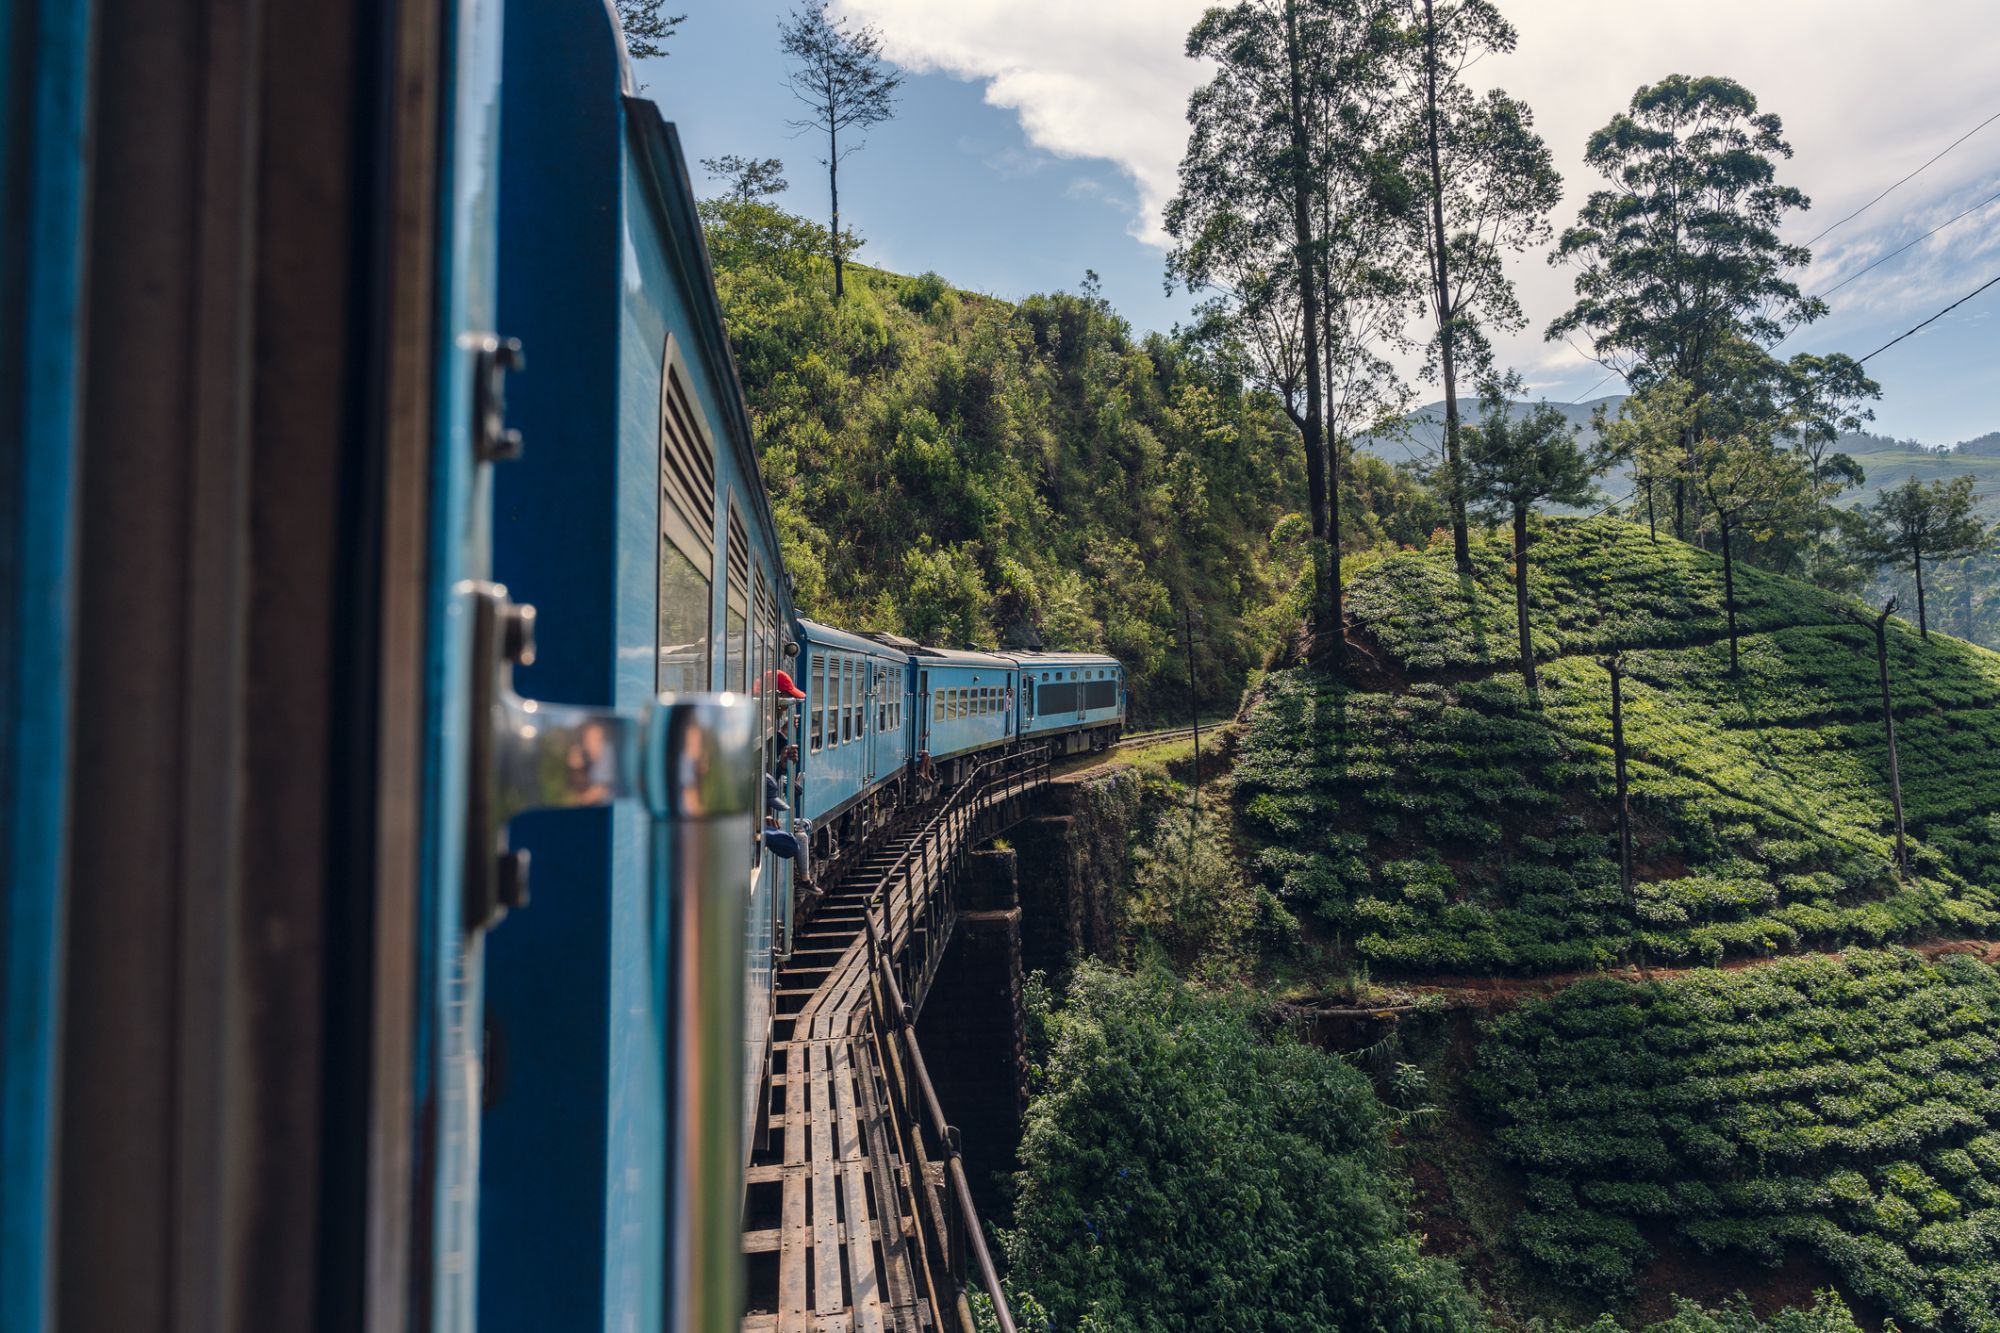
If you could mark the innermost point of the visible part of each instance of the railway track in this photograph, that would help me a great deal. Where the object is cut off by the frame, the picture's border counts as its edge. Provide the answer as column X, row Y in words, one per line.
column 1169, row 734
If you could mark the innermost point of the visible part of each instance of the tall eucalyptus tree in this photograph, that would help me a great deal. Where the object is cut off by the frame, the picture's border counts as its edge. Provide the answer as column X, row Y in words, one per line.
column 1680, row 269
column 1277, row 180
column 1480, row 184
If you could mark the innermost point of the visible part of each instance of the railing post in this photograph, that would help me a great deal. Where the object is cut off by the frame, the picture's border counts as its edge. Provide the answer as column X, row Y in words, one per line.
column 955, row 1259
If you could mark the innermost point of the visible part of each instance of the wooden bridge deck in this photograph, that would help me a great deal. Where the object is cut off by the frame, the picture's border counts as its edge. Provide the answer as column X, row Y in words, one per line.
column 835, row 1235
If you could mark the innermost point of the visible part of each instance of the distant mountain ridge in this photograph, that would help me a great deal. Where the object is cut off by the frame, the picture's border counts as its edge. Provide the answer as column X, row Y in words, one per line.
column 1884, row 460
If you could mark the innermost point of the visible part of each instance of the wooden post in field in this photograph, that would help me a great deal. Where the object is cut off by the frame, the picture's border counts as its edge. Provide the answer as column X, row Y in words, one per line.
column 1889, row 730
column 1616, row 667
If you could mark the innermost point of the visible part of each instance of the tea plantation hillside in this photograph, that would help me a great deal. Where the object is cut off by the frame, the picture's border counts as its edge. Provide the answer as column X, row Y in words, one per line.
column 1436, row 819
column 1846, row 1107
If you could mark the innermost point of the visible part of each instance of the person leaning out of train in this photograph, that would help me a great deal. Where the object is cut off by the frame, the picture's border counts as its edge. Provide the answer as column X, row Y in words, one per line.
column 777, row 841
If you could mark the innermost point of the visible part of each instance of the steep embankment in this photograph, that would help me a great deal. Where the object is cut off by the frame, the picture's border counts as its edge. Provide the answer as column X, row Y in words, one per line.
column 1765, row 1124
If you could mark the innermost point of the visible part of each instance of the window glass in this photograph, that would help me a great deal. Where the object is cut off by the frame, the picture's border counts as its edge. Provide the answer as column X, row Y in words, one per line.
column 846, row 699
column 684, row 592
column 881, row 699
column 937, row 706
column 817, row 692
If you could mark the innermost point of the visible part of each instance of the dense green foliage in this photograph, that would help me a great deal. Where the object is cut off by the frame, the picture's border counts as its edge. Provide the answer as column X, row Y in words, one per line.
column 1180, row 1172
column 1850, row 1106
column 1456, row 825
column 1829, row 1314
column 963, row 471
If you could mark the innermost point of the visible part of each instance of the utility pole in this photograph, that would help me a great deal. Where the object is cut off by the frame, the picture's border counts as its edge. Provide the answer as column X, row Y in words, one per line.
column 1194, row 702
column 1889, row 730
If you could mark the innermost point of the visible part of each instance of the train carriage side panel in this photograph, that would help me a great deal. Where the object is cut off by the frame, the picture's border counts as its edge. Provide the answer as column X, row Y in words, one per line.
column 850, row 738
column 637, row 523
column 971, row 700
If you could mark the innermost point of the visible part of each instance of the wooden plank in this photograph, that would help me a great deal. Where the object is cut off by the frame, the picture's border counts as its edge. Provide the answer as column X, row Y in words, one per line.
column 828, row 1296
column 792, row 1246
column 866, row 1290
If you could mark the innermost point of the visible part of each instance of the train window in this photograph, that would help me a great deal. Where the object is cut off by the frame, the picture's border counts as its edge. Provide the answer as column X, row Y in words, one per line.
column 881, row 699
column 937, row 707
column 687, row 526
column 683, row 664
column 736, row 628
column 816, row 692
column 846, row 700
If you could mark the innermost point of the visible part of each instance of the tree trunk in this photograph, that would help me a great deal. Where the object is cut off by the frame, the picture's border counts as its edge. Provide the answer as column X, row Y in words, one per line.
column 1680, row 510
column 1333, row 547
column 1329, row 640
column 1652, row 523
column 1729, row 593
column 1889, row 732
column 1917, row 562
column 1441, row 297
column 833, row 186
column 1521, row 596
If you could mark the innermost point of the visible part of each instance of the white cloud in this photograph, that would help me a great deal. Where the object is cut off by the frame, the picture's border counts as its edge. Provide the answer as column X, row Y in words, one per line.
column 1867, row 90
column 1086, row 78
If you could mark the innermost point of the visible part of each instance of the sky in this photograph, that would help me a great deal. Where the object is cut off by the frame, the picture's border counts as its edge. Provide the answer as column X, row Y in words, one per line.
column 1037, row 139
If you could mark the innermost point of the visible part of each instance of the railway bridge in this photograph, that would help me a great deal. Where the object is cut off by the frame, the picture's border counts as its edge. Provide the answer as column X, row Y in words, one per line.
column 859, row 1212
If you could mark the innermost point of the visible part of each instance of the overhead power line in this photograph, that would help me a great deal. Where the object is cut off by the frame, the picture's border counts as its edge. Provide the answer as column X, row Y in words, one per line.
column 1990, row 282
column 1907, row 179
column 1908, row 244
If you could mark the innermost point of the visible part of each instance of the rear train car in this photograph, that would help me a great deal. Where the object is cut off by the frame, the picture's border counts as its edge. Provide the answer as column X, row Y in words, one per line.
column 1073, row 701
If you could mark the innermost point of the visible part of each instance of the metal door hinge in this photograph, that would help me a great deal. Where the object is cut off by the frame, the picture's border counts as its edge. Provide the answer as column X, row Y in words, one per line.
column 493, row 441
column 691, row 758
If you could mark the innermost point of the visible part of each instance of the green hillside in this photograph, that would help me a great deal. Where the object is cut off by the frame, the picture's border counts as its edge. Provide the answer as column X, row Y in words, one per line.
column 1437, row 819
column 1849, row 1108
column 968, row 471
column 1641, row 1122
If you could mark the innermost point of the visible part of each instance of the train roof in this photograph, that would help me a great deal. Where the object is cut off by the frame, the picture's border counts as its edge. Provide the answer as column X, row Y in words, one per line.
column 846, row 641
column 930, row 657
column 1064, row 659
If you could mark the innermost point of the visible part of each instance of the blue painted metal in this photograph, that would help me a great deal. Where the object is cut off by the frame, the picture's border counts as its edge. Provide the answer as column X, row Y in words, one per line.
column 561, row 539
column 970, row 704
column 450, row 1014
column 1038, row 720
column 44, row 87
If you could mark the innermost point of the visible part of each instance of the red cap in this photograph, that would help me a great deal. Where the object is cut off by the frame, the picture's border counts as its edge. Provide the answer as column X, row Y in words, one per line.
column 783, row 680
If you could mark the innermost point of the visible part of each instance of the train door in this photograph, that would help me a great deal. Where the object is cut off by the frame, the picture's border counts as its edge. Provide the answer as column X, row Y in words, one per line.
column 1080, row 695
column 871, row 695
column 924, row 711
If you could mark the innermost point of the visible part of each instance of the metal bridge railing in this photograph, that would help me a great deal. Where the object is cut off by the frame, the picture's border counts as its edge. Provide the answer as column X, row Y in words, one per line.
column 920, row 892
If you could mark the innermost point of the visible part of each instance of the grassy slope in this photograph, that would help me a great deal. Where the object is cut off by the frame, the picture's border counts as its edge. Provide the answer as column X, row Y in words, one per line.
column 1444, row 823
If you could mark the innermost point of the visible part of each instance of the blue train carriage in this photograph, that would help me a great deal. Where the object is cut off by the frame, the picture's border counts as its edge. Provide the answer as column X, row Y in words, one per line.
column 637, row 522
column 965, row 705
column 853, row 737
column 1074, row 700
